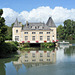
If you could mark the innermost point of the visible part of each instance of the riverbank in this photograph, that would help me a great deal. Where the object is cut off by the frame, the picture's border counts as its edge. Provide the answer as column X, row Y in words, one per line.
column 8, row 49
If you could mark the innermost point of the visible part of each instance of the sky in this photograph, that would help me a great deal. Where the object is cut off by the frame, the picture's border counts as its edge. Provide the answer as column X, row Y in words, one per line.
column 37, row 10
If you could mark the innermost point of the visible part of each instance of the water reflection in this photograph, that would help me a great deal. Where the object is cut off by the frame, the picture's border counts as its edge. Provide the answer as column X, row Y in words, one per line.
column 65, row 53
column 56, row 62
column 3, row 65
column 35, row 58
column 69, row 51
column 2, row 69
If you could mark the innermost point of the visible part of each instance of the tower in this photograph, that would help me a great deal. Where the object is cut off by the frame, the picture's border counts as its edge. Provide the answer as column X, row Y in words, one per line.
column 16, row 31
column 52, row 26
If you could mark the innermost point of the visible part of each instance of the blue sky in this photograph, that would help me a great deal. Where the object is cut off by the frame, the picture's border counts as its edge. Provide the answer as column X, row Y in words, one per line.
column 38, row 10
column 20, row 5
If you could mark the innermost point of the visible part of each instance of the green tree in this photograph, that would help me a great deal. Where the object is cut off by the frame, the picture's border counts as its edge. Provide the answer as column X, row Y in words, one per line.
column 66, row 32
column 60, row 32
column 3, row 28
column 8, row 33
column 69, row 27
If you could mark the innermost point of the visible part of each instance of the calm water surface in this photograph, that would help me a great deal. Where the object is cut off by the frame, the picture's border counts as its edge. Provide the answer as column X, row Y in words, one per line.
column 60, row 61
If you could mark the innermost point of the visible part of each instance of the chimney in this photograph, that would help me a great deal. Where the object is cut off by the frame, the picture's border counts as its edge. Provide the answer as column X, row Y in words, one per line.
column 26, row 23
column 20, row 23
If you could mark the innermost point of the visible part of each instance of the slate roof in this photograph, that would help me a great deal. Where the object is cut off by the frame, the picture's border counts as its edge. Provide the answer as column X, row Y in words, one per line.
column 17, row 24
column 36, row 25
column 50, row 22
column 29, row 26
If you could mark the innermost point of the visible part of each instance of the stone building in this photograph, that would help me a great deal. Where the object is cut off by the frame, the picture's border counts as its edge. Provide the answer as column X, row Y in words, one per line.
column 34, row 32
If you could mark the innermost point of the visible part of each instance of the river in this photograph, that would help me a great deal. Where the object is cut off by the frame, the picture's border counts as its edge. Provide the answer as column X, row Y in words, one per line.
column 60, row 61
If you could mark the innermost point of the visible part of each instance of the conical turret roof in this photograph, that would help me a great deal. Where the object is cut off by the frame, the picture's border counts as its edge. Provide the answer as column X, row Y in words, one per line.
column 50, row 22
column 16, row 24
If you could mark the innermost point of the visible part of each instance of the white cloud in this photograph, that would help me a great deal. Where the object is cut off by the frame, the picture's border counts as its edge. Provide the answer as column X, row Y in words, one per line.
column 41, row 14
column 9, row 15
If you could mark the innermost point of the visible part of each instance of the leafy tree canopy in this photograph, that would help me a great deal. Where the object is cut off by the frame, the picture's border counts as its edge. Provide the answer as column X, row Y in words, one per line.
column 3, row 28
column 66, row 32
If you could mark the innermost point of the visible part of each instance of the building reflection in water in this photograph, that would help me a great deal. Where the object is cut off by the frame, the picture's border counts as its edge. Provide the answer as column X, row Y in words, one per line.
column 35, row 58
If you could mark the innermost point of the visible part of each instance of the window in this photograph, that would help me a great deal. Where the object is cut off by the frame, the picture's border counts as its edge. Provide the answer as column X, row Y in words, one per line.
column 41, row 37
column 16, row 38
column 40, row 27
column 33, row 37
column 48, row 59
column 53, row 35
column 33, row 55
column 41, row 55
column 33, row 27
column 48, row 32
column 40, row 32
column 16, row 31
column 48, row 38
column 26, row 55
column 26, row 37
column 26, row 60
column 25, row 32
column 40, row 59
column 48, row 54
column 33, row 32
column 33, row 59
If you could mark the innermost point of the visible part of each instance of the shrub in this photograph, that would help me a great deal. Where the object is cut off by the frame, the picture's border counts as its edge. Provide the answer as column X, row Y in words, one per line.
column 7, row 48
column 26, row 45
column 16, row 43
column 48, row 45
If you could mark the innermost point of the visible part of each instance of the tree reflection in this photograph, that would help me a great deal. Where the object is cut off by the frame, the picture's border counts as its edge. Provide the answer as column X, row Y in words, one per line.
column 2, row 64
column 69, row 51
column 2, row 69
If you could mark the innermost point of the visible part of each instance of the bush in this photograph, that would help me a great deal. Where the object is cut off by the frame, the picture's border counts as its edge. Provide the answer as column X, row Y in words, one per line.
column 48, row 45
column 7, row 48
column 26, row 45
column 16, row 43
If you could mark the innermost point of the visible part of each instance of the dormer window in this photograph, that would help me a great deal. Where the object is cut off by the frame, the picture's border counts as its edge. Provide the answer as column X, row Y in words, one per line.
column 16, row 31
column 33, row 27
column 40, row 27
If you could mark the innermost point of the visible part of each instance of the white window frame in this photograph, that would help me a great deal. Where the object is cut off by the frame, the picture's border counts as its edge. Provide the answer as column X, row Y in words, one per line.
column 33, row 55
column 33, row 38
column 48, row 38
column 41, row 37
column 26, row 38
column 16, row 38
column 41, row 55
column 33, row 27
column 40, row 59
column 48, row 54
column 25, row 32
column 40, row 32
column 48, row 32
column 16, row 31
column 40, row 27
column 33, row 32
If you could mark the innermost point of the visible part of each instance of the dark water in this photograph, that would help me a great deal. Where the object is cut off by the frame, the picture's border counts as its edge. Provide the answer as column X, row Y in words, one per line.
column 62, row 62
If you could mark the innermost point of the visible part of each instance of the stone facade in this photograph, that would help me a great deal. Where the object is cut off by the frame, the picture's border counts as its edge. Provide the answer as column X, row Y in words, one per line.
column 34, row 32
